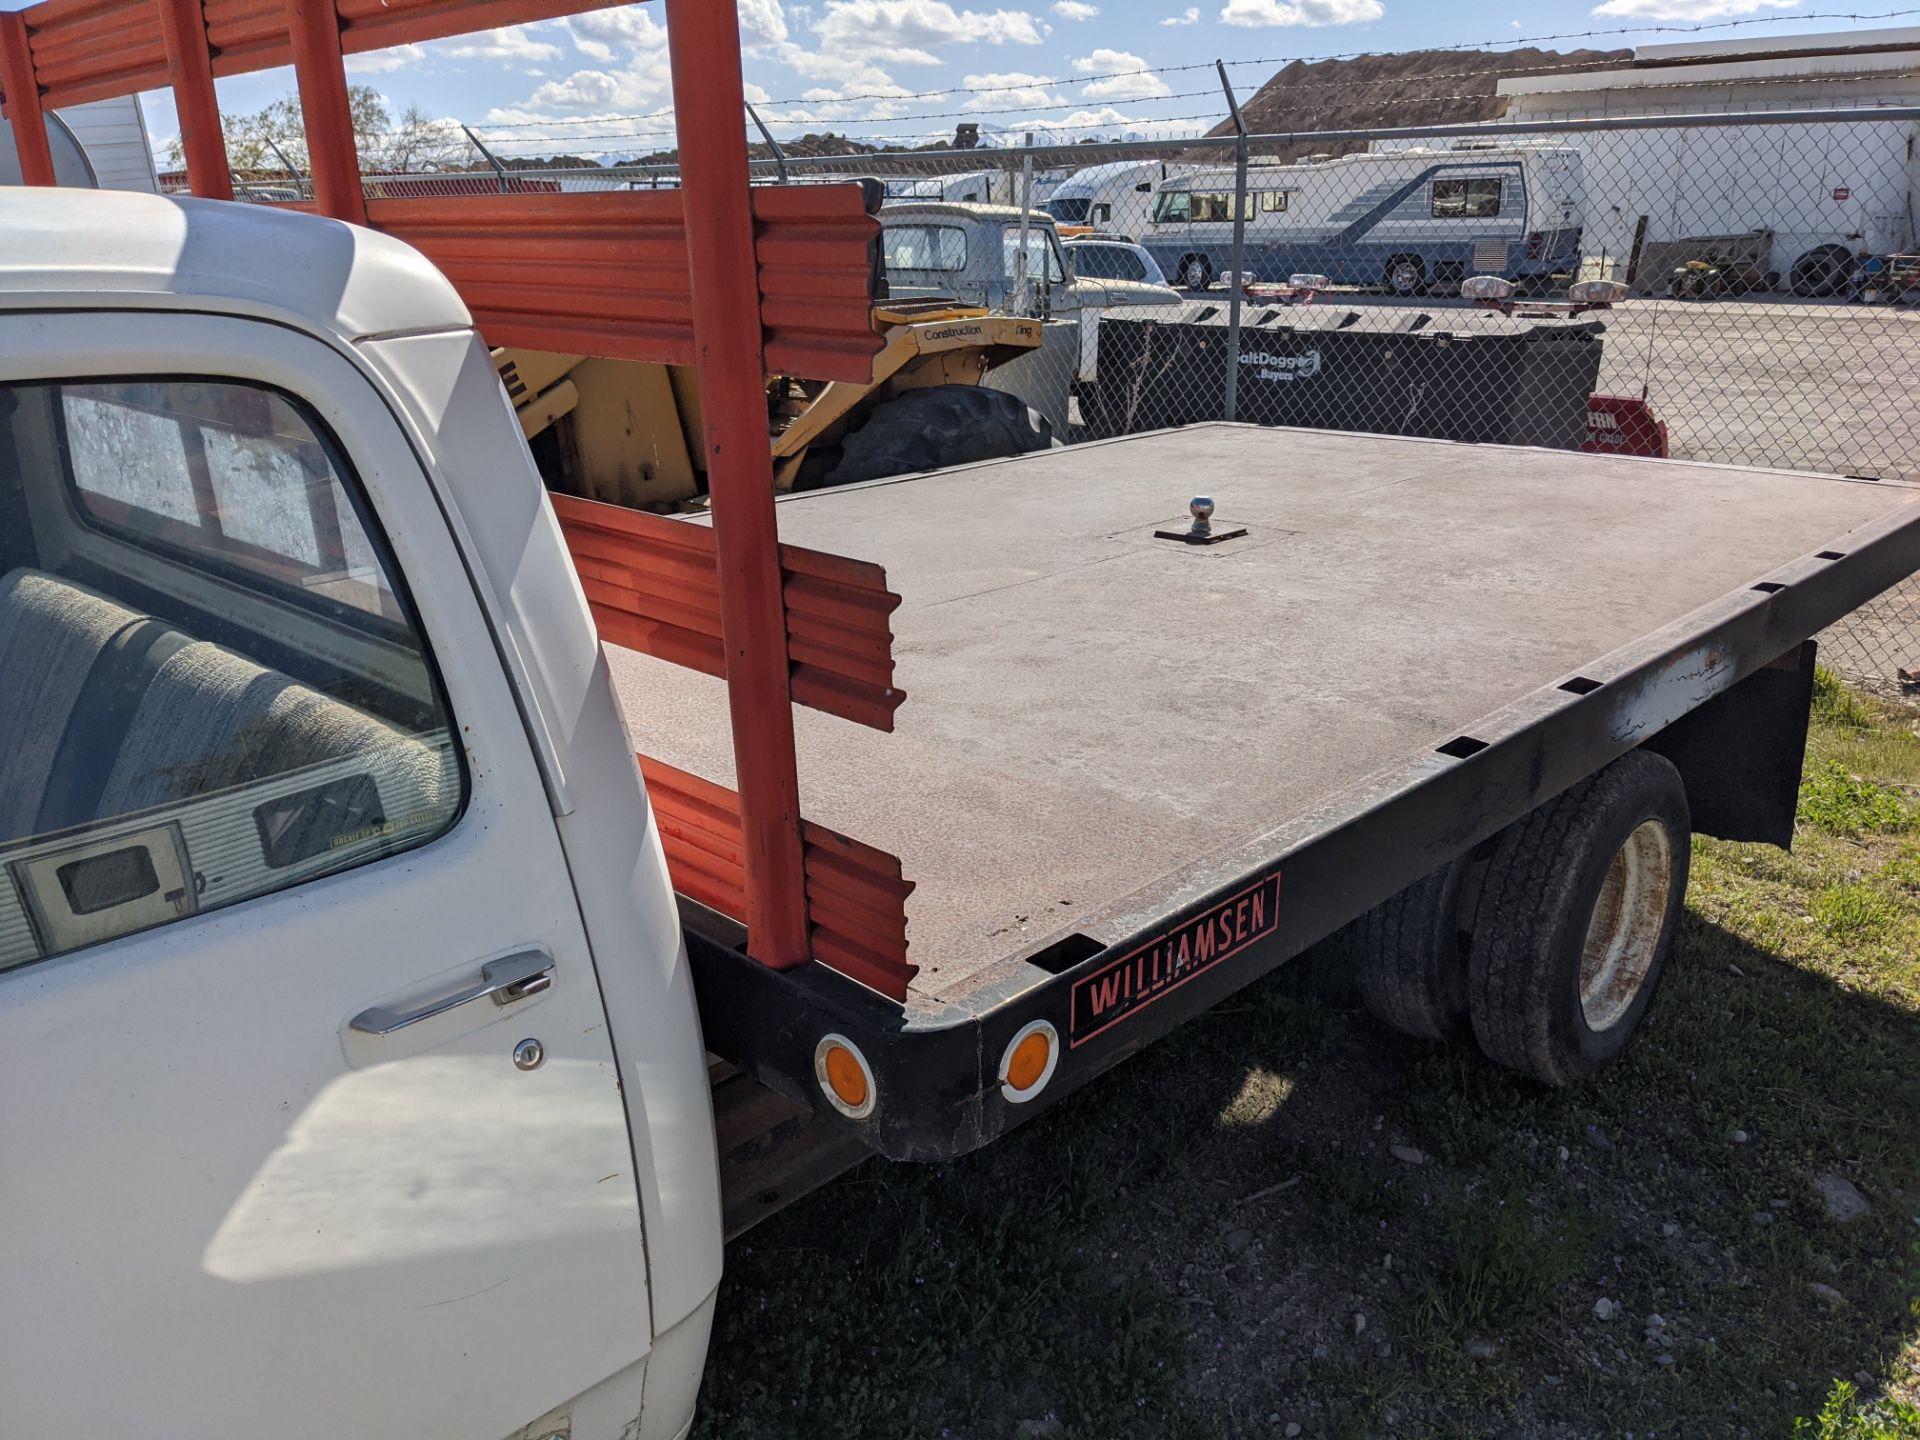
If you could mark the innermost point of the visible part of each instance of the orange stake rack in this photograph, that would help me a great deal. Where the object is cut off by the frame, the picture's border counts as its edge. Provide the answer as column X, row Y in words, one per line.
column 736, row 279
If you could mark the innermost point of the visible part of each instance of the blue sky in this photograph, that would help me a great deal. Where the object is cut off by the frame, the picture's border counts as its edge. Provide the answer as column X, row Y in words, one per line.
column 598, row 82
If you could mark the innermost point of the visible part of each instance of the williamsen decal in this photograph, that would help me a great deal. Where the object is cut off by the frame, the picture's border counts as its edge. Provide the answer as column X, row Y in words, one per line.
column 1124, row 987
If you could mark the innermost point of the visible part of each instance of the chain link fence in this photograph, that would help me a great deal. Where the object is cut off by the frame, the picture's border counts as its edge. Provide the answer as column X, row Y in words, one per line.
column 1737, row 289
column 1742, row 289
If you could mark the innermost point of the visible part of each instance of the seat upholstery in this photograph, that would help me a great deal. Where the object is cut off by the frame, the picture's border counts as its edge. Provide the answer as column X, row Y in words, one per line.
column 143, row 715
column 51, row 634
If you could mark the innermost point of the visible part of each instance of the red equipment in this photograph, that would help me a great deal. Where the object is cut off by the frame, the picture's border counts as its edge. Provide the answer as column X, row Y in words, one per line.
column 1624, row 425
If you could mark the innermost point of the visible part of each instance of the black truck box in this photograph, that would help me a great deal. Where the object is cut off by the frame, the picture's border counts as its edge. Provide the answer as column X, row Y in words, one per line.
column 1469, row 375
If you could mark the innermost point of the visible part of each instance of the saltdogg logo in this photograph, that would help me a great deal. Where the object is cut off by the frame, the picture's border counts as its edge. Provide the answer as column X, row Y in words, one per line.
column 1283, row 367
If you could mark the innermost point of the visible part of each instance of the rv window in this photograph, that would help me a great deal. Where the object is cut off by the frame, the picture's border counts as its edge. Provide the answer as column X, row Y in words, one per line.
column 1171, row 207
column 926, row 247
column 1466, row 199
column 1218, row 205
column 1273, row 202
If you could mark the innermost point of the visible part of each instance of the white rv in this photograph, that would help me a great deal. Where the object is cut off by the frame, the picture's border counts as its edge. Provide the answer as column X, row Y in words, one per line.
column 1115, row 199
column 972, row 187
column 1409, row 219
column 1816, row 196
column 101, row 145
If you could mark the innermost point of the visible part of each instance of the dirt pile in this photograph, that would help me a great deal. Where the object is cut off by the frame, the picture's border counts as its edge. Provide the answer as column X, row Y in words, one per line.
column 1420, row 87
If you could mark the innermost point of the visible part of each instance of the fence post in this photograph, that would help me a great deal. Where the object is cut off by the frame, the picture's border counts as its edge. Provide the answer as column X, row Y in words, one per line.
column 779, row 155
column 499, row 170
column 1020, row 276
column 1231, row 407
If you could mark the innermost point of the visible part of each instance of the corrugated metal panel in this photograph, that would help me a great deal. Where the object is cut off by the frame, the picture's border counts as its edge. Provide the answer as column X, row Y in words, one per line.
column 606, row 273
column 856, row 895
column 652, row 586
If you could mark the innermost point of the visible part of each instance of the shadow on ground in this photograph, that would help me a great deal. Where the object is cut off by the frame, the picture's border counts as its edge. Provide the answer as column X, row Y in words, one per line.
column 1286, row 1215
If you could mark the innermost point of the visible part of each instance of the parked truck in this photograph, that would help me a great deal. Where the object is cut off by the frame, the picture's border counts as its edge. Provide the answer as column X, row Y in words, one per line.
column 367, row 1002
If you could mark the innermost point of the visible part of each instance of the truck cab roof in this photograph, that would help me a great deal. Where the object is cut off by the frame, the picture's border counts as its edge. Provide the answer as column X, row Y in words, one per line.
column 960, row 210
column 85, row 247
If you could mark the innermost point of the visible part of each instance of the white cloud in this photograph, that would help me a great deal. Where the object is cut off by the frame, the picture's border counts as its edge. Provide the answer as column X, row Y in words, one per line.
column 1687, row 9
column 1125, row 77
column 1075, row 9
column 382, row 62
column 845, row 74
column 906, row 31
column 1256, row 13
column 1010, row 90
column 762, row 22
column 603, row 34
column 511, row 44
column 1188, row 16
column 645, row 82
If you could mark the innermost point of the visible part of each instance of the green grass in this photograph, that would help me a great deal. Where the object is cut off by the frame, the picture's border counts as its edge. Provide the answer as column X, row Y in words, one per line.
column 1181, row 1248
column 1844, row 1417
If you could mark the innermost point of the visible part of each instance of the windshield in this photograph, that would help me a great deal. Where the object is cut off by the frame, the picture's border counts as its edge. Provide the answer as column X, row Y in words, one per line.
column 1068, row 211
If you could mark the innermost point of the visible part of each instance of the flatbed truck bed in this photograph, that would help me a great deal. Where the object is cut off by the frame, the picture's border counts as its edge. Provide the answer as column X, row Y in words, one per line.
column 1110, row 735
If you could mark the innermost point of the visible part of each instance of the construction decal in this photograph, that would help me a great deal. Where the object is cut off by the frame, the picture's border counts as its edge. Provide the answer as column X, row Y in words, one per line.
column 1122, row 988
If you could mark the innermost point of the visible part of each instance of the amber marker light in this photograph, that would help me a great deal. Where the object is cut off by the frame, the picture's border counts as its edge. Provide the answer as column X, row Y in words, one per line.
column 1029, row 1061
column 845, row 1077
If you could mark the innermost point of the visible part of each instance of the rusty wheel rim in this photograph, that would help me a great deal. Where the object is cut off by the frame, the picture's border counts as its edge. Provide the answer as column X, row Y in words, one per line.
column 1623, row 934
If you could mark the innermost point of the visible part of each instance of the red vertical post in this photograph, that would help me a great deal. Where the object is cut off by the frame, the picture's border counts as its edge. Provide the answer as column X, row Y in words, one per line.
column 22, row 89
column 709, row 113
column 314, row 28
column 190, row 64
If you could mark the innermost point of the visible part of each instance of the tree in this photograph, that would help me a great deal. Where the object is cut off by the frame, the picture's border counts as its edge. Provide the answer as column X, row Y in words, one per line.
column 416, row 142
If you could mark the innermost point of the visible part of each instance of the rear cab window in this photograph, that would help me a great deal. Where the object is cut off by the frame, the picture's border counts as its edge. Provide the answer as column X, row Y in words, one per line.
column 925, row 247
column 229, row 692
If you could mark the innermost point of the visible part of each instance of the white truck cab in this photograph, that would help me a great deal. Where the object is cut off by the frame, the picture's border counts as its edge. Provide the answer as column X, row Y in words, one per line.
column 361, row 1048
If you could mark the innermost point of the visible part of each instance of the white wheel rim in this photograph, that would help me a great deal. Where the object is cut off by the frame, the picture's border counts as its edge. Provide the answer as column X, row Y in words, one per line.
column 1623, row 934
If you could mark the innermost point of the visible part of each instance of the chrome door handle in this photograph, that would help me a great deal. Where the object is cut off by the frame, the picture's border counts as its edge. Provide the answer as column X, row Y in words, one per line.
column 510, row 978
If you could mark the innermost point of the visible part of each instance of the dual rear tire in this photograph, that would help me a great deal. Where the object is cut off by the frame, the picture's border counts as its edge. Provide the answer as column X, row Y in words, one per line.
column 1547, row 943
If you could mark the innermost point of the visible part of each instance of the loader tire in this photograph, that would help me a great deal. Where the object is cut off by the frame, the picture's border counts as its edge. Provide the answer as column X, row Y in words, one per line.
column 937, row 426
column 1407, row 960
column 1576, row 917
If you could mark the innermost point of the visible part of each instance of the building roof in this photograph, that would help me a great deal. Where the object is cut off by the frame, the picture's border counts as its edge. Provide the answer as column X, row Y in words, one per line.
column 1853, row 54
column 62, row 247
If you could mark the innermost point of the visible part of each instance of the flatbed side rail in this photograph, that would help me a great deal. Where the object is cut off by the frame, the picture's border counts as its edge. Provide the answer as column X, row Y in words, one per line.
column 856, row 896
column 735, row 279
column 653, row 586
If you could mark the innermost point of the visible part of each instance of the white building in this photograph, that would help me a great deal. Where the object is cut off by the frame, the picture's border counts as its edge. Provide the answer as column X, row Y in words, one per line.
column 1822, row 193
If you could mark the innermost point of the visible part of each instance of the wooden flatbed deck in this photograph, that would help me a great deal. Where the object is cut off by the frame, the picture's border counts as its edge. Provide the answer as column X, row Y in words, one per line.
column 1093, row 711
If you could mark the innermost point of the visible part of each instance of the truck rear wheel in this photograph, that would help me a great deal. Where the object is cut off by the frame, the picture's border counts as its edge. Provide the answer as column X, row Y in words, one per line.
column 1576, row 917
column 1407, row 959
column 939, row 425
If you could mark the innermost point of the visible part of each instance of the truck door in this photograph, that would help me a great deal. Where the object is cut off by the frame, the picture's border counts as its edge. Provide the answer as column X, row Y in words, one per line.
column 313, row 1124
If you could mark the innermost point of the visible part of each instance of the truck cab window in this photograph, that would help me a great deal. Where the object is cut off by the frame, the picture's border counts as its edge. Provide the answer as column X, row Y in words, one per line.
column 926, row 247
column 1470, row 199
column 1044, row 261
column 229, row 693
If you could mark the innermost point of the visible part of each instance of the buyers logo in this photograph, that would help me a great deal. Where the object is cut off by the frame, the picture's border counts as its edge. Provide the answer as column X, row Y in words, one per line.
column 1283, row 367
column 1124, row 987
